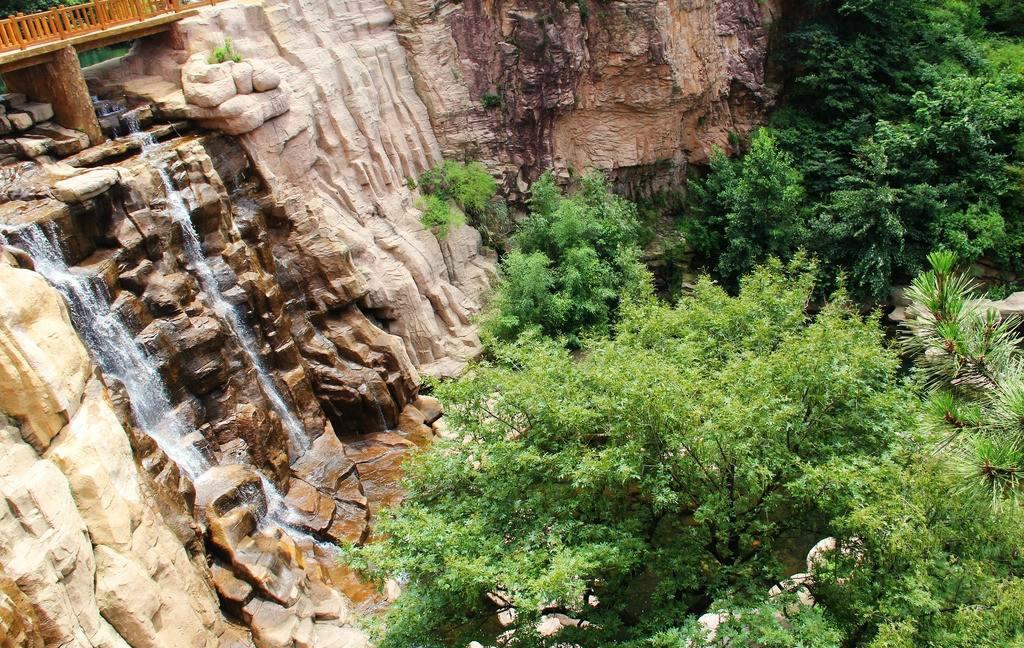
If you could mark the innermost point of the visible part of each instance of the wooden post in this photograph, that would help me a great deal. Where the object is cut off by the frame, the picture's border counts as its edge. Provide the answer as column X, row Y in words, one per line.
column 62, row 26
column 17, row 30
column 60, row 83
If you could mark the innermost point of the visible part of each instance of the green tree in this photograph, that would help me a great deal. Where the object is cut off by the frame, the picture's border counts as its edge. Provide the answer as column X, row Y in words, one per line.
column 643, row 481
column 748, row 209
column 574, row 258
column 970, row 359
column 904, row 122
column 12, row 7
column 1005, row 16
column 920, row 561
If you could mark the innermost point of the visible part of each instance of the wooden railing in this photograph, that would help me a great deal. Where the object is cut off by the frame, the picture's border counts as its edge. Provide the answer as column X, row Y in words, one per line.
column 20, row 31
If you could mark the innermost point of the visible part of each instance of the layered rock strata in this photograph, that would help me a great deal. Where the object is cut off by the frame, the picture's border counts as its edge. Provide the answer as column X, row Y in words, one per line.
column 335, row 140
column 637, row 88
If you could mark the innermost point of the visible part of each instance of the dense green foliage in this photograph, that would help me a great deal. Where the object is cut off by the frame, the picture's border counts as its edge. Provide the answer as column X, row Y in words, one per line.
column 11, row 7
column 748, row 209
column 467, row 189
column 631, row 465
column 904, row 129
column 922, row 562
column 573, row 260
column 660, row 471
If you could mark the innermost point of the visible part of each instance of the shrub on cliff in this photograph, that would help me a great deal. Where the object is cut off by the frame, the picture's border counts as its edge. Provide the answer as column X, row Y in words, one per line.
column 470, row 187
column 439, row 216
column 574, row 258
column 636, row 484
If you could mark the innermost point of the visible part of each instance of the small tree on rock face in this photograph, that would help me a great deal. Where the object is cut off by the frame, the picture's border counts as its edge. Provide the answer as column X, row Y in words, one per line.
column 971, row 360
column 471, row 189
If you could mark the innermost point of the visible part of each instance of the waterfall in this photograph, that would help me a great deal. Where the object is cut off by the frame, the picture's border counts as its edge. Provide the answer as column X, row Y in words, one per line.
column 366, row 391
column 122, row 358
column 118, row 354
column 225, row 311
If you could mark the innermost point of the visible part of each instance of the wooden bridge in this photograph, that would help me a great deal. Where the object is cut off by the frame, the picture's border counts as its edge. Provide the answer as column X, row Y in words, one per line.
column 39, row 52
column 22, row 36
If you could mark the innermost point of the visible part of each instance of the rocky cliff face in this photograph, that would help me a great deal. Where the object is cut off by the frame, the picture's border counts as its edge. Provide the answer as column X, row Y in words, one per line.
column 88, row 559
column 637, row 88
column 259, row 303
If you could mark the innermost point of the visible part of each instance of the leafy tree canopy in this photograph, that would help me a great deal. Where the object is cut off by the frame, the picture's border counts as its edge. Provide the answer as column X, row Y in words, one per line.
column 574, row 258
column 657, row 475
column 748, row 209
column 902, row 131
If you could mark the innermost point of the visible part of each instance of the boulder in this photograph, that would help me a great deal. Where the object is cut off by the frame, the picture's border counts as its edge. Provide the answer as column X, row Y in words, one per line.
column 232, row 590
column 430, row 407
column 311, row 509
column 207, row 86
column 167, row 293
column 264, row 77
column 39, row 111
column 325, row 465
column 20, row 121
column 819, row 553
column 223, row 489
column 66, row 141
column 242, row 74
column 412, row 426
column 33, row 147
column 272, row 625
column 272, row 563
column 242, row 114
column 82, row 187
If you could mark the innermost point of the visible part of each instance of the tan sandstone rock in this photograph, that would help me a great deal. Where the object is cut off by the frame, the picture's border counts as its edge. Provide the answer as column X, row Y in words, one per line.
column 36, row 388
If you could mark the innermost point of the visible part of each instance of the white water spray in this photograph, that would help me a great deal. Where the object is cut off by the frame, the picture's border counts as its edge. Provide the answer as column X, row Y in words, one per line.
column 225, row 311
column 119, row 355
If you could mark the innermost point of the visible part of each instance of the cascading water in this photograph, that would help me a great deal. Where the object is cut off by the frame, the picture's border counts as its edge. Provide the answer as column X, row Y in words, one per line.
column 122, row 358
column 225, row 311
column 119, row 355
